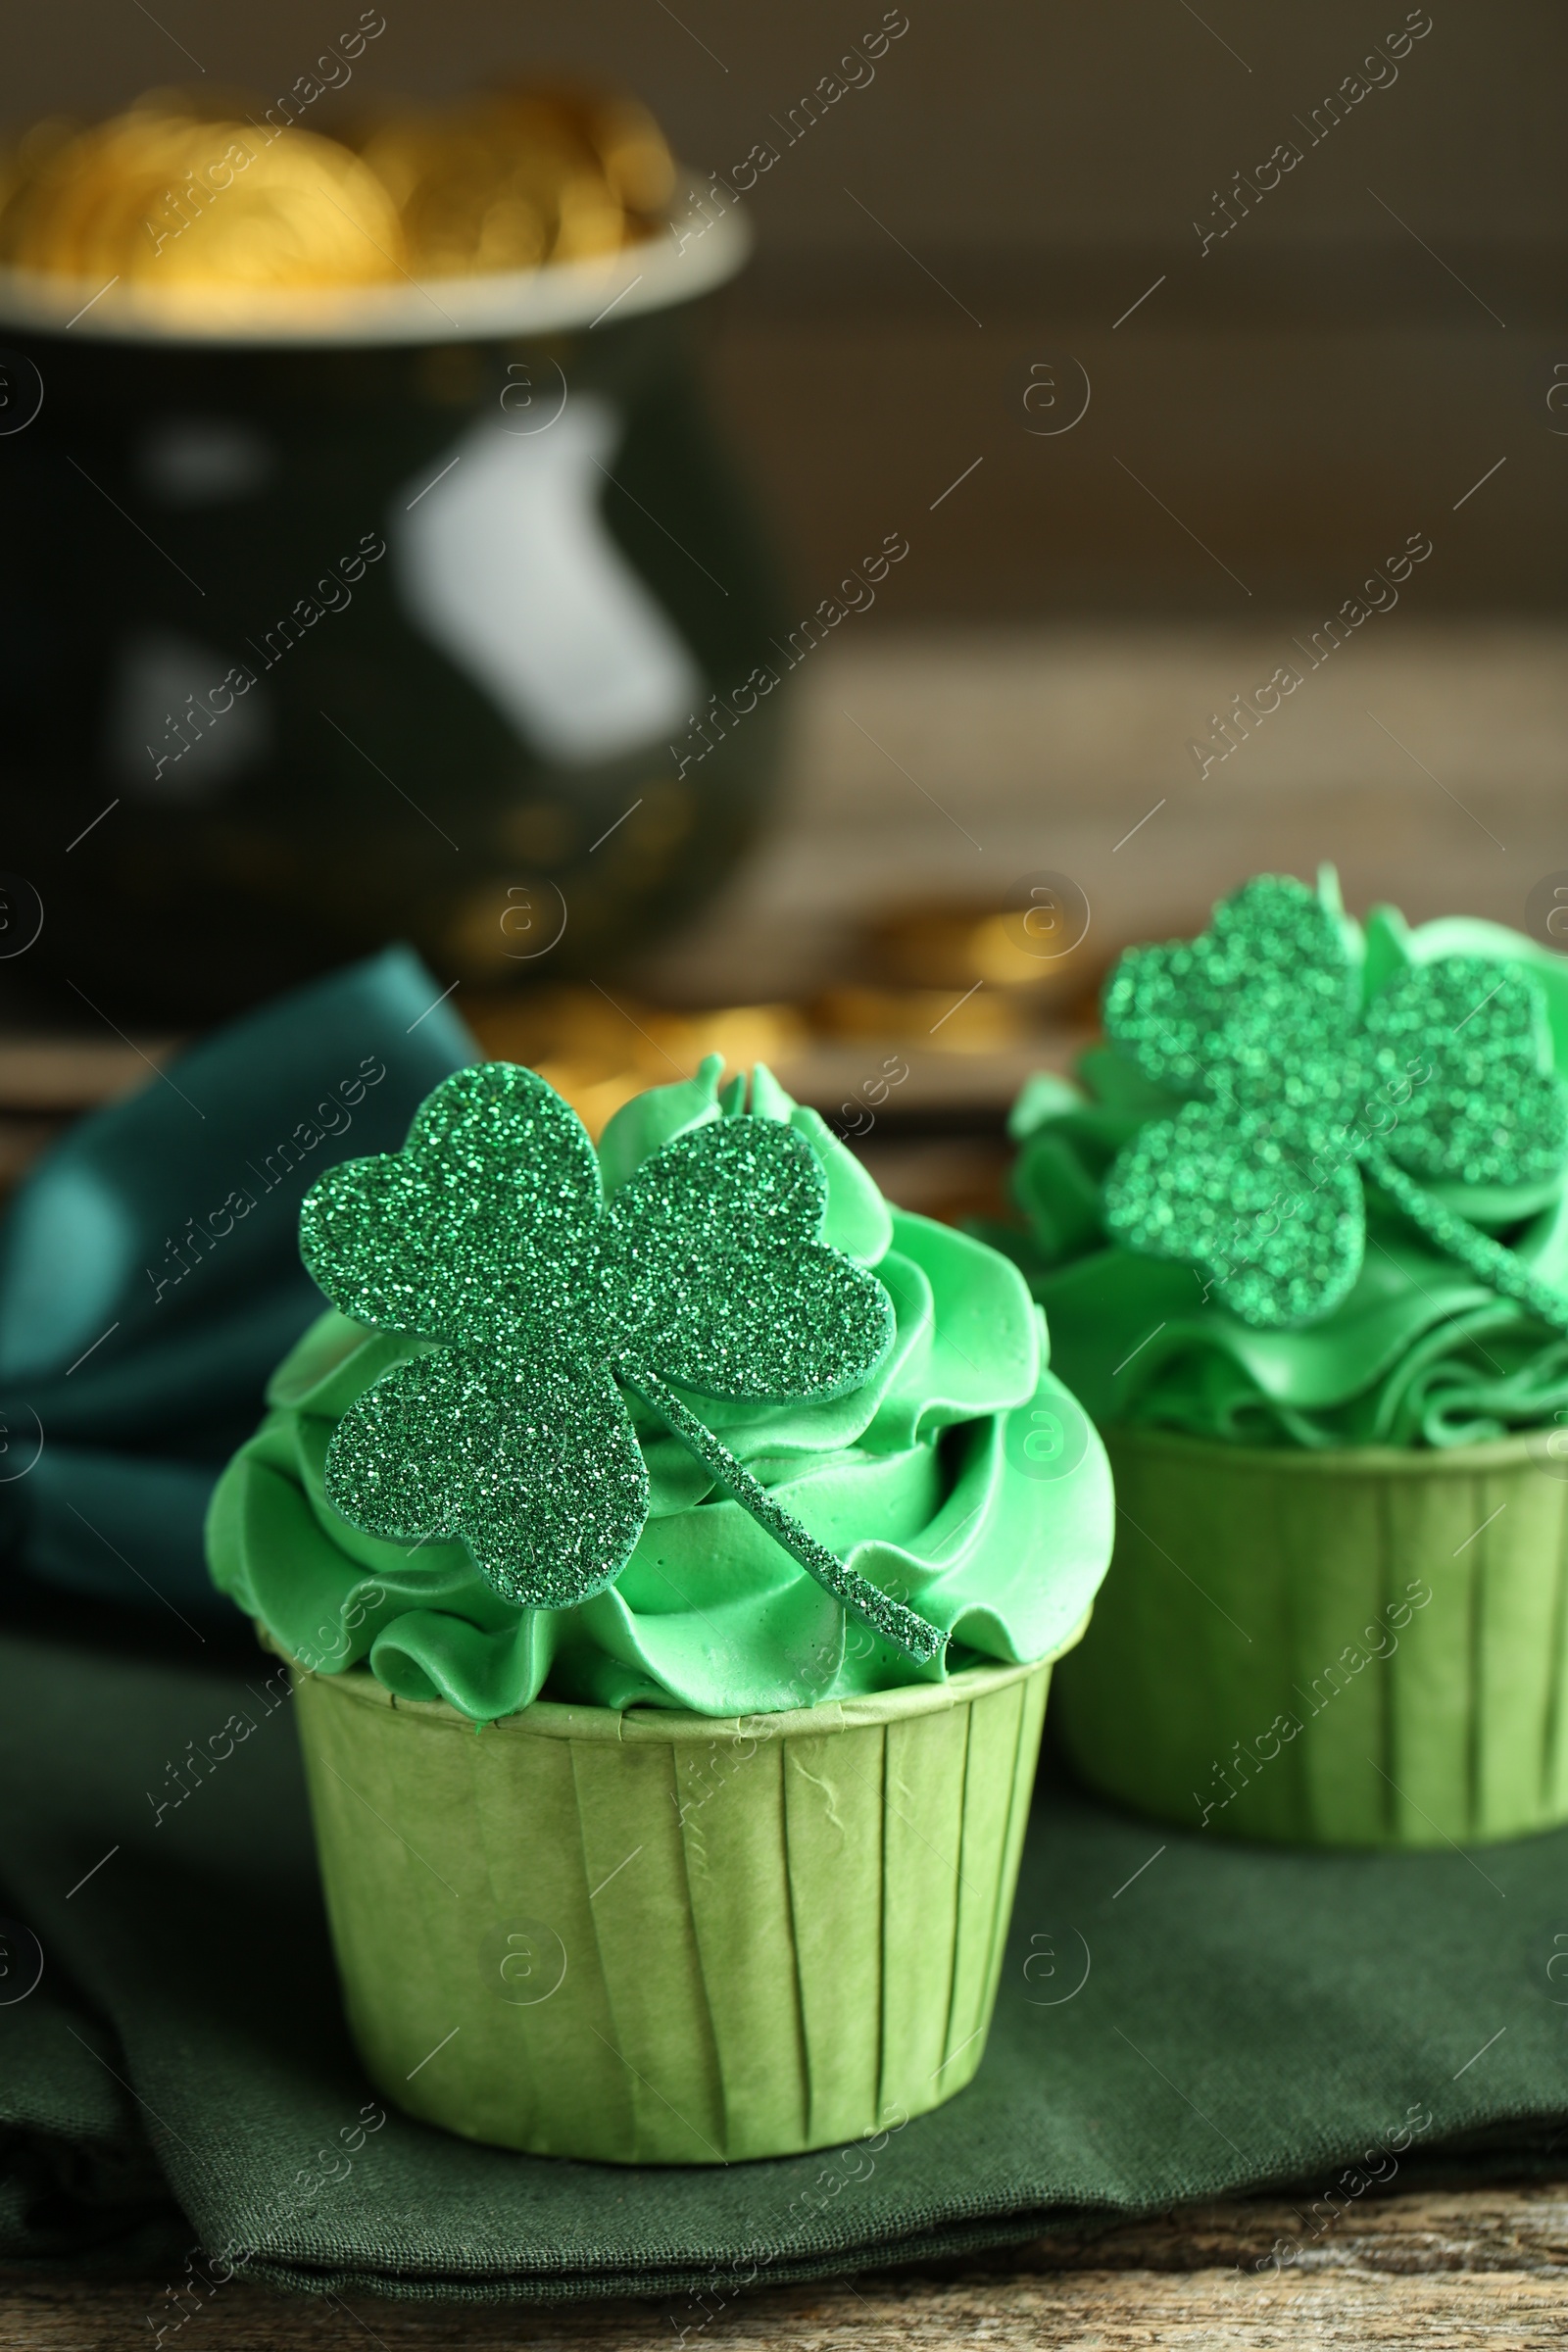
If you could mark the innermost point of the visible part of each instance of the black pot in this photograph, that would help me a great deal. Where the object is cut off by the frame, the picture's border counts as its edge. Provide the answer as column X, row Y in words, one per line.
column 317, row 639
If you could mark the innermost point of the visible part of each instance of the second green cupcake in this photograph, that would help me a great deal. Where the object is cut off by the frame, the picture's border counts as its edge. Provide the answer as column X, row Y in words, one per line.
column 1301, row 1237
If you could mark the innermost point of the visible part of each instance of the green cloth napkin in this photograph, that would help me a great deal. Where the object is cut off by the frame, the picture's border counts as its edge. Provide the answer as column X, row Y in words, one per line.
column 1178, row 2017
column 150, row 1275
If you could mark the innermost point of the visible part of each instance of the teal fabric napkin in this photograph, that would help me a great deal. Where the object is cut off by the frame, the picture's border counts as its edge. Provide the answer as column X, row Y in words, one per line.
column 150, row 1275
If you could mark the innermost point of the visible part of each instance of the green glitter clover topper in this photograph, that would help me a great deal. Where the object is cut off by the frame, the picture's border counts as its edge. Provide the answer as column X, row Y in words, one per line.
column 1298, row 1093
column 489, row 1235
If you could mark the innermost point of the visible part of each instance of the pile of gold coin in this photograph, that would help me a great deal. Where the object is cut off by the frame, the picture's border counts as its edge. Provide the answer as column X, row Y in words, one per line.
column 181, row 193
column 1027, row 951
column 598, row 1050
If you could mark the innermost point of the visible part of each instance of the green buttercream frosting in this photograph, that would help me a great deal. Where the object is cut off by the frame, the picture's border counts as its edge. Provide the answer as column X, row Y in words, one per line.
column 1236, row 1219
column 959, row 1476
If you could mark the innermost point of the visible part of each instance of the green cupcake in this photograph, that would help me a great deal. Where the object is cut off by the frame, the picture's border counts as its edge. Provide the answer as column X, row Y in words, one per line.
column 1302, row 1235
column 703, row 1846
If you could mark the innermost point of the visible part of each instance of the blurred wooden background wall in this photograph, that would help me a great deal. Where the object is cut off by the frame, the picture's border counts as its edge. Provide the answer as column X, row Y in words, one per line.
column 1378, row 330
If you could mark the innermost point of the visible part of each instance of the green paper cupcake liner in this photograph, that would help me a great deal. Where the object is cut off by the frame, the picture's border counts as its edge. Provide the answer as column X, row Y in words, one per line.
column 1364, row 1648
column 653, row 1938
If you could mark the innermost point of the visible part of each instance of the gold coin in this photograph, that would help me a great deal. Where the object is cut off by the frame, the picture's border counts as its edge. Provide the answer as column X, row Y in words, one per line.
column 135, row 190
column 502, row 184
column 555, row 156
column 625, row 142
column 588, row 220
column 215, row 204
column 636, row 158
column 303, row 212
column 52, row 224
column 400, row 150
column 24, row 158
column 43, row 187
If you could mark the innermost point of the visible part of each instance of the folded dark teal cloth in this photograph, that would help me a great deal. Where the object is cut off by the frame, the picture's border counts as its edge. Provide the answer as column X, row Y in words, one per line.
column 1178, row 2017
column 150, row 1274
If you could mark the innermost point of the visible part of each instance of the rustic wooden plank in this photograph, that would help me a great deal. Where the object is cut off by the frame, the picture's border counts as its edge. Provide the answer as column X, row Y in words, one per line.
column 1476, row 2267
column 1509, row 2226
column 43, row 1078
column 1104, row 2310
column 74, row 1073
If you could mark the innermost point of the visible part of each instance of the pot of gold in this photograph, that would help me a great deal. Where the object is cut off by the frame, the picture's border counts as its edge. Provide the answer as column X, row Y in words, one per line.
column 372, row 555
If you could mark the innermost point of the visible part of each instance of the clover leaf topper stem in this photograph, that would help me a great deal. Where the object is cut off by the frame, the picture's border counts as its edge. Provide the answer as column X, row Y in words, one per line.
column 854, row 1592
column 1499, row 1269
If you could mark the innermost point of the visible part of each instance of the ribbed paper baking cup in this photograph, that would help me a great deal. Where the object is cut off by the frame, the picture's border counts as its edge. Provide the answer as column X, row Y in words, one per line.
column 658, row 1938
column 1362, row 1647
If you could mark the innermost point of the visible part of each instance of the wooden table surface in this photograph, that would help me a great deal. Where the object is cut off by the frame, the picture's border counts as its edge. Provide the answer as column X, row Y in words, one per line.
column 1461, row 2268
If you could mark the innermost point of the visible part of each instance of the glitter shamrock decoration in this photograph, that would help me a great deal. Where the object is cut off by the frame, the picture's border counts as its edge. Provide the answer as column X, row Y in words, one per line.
column 489, row 1237
column 1297, row 1092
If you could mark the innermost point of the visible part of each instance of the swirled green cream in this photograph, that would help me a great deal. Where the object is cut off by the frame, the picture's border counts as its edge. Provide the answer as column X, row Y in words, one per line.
column 961, row 1475
column 1420, row 1352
